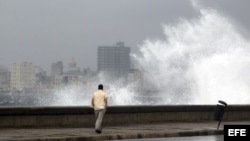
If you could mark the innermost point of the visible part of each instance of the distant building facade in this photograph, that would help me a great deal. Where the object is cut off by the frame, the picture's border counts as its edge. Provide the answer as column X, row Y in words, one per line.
column 43, row 81
column 114, row 61
column 73, row 76
column 57, row 68
column 4, row 79
column 22, row 76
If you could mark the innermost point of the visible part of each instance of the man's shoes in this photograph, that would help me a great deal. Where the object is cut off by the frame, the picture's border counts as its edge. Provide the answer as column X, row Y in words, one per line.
column 98, row 131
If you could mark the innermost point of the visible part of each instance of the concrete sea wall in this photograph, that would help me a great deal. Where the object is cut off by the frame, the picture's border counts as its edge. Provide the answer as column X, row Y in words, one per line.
column 36, row 117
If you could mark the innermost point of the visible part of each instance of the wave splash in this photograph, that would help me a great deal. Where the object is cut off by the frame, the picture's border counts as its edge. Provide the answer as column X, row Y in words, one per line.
column 201, row 61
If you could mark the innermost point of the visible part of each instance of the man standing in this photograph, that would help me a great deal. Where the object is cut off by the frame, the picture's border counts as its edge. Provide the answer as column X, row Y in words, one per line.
column 99, row 103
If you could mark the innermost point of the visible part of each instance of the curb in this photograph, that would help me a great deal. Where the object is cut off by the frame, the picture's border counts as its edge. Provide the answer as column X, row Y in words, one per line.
column 103, row 137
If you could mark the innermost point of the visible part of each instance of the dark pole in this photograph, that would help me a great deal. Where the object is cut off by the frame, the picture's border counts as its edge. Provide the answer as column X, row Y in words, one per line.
column 220, row 120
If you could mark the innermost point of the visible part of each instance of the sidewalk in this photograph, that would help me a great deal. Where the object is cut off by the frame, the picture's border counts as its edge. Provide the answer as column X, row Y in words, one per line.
column 176, row 129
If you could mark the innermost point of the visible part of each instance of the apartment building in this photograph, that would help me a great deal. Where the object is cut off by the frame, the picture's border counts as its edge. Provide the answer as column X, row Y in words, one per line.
column 23, row 76
column 114, row 61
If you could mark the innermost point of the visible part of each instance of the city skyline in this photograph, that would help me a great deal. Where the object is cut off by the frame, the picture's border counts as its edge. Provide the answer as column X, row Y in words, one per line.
column 44, row 32
column 66, row 66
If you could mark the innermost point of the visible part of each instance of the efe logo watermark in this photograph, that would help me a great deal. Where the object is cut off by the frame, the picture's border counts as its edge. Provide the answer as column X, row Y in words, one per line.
column 237, row 132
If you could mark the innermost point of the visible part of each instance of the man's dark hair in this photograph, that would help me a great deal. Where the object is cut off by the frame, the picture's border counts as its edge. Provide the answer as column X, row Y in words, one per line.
column 100, row 87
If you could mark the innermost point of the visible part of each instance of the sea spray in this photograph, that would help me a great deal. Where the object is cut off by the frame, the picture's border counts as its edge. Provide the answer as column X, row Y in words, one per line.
column 201, row 61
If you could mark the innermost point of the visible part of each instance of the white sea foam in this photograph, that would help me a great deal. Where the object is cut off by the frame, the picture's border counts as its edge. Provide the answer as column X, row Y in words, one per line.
column 201, row 61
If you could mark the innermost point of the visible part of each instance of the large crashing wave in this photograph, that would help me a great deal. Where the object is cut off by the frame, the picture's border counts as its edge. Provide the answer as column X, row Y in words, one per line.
column 201, row 61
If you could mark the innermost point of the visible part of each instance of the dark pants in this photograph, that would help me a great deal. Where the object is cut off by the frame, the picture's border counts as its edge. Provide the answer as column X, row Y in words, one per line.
column 99, row 114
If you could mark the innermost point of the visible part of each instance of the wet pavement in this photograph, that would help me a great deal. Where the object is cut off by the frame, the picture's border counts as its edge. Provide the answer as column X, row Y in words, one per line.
column 140, row 131
column 190, row 138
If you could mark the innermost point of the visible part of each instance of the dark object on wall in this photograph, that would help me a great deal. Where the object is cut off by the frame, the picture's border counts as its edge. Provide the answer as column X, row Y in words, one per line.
column 219, row 111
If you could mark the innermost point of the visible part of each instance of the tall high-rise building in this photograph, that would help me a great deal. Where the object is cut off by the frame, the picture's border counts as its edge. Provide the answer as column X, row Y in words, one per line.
column 114, row 61
column 57, row 68
column 22, row 76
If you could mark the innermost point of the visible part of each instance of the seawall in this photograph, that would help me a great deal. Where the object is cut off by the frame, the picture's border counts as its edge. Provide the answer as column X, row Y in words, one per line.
column 38, row 117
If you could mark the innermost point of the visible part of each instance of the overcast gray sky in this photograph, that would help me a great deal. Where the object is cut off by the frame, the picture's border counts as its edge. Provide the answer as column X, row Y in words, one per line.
column 47, row 31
